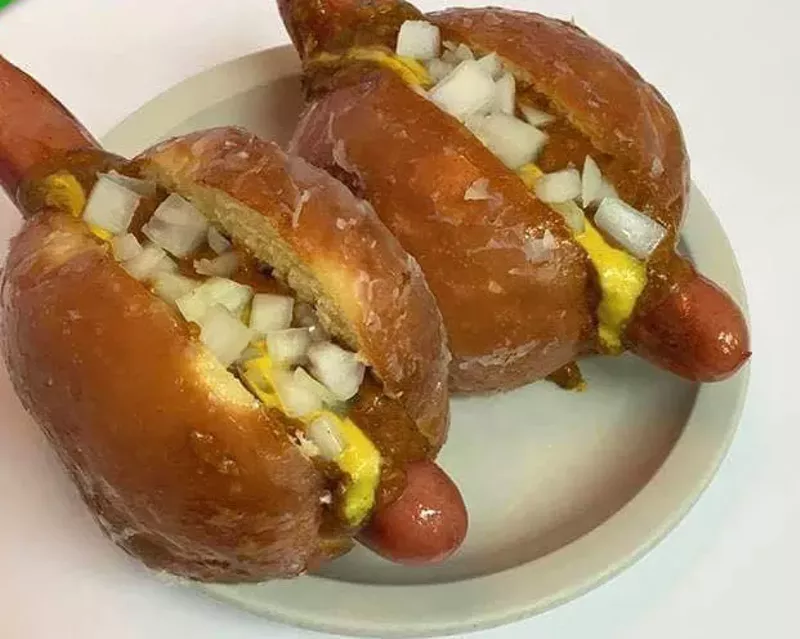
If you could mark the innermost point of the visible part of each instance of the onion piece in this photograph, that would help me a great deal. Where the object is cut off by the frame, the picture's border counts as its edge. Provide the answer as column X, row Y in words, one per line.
column 145, row 188
column 215, row 291
column 639, row 234
column 171, row 286
column 438, row 69
column 561, row 186
column 505, row 95
column 456, row 54
column 224, row 335
column 111, row 206
column 324, row 432
column 491, row 66
column 222, row 266
column 151, row 260
column 217, row 241
column 591, row 182
column 513, row 141
column 464, row 92
column 289, row 346
column 303, row 378
column 338, row 369
column 177, row 226
column 125, row 247
column 296, row 400
column 271, row 313
column 535, row 117
column 419, row 40
column 607, row 190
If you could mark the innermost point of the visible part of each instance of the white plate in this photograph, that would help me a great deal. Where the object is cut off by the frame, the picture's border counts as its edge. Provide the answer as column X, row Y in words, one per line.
column 563, row 489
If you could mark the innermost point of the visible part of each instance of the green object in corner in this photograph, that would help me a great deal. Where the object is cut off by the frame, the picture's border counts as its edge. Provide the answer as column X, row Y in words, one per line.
column 4, row 3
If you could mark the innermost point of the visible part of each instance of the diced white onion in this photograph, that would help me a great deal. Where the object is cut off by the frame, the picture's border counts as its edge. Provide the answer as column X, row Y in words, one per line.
column 289, row 346
column 223, row 265
column 464, row 92
column 304, row 379
column 419, row 40
column 224, row 335
column 456, row 54
column 177, row 226
column 125, row 247
column 271, row 313
column 607, row 190
column 215, row 291
column 296, row 400
column 561, row 186
column 217, row 241
column 171, row 286
column 146, row 264
column 338, row 369
column 505, row 95
column 572, row 213
column 145, row 188
column 438, row 69
column 513, row 141
column 111, row 206
column 591, row 182
column 535, row 117
column 324, row 432
column 478, row 190
column 639, row 234
column 491, row 66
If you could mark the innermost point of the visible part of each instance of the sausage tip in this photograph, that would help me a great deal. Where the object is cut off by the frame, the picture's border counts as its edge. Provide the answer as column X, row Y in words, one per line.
column 696, row 331
column 425, row 525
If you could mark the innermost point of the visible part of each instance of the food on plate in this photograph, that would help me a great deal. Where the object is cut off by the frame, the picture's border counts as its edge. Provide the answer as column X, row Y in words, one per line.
column 237, row 363
column 539, row 181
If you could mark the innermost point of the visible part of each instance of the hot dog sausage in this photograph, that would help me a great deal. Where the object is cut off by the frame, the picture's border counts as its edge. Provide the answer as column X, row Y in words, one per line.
column 35, row 126
column 425, row 525
column 428, row 520
column 695, row 330
column 596, row 106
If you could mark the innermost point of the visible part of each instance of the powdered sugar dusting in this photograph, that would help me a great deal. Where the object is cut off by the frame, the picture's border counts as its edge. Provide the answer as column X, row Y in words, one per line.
column 540, row 250
column 343, row 224
column 505, row 356
column 478, row 190
column 304, row 197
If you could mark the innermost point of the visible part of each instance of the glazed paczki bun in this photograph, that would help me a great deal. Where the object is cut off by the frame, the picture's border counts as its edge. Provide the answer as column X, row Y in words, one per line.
column 540, row 182
column 238, row 364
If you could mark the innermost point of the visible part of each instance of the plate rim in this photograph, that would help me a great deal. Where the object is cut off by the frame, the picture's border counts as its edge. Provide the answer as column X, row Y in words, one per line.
column 315, row 603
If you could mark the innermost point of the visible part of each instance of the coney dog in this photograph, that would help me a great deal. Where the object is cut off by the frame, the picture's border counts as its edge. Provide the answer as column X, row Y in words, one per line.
column 237, row 363
column 539, row 181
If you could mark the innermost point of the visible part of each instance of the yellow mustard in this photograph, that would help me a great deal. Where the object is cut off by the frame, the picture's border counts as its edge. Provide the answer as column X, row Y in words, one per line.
column 359, row 459
column 621, row 276
column 411, row 71
column 63, row 191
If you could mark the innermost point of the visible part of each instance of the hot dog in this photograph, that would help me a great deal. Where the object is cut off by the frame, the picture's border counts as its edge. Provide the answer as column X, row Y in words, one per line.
column 477, row 134
column 237, row 363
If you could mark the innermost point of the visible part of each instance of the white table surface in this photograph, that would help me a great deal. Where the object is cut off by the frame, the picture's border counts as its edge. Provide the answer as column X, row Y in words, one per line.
column 729, row 69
